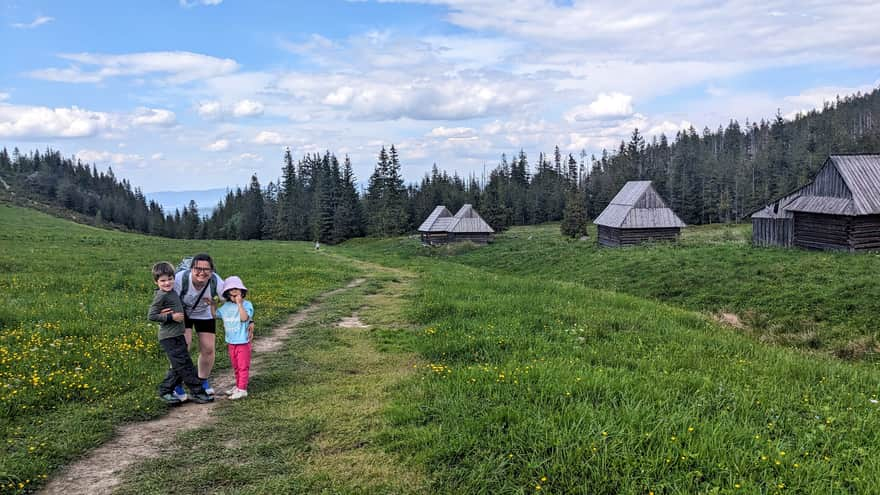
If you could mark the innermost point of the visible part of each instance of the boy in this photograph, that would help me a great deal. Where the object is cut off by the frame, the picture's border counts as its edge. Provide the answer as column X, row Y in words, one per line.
column 167, row 309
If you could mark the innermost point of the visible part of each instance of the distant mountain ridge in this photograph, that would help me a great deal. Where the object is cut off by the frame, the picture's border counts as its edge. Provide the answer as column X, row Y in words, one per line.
column 206, row 199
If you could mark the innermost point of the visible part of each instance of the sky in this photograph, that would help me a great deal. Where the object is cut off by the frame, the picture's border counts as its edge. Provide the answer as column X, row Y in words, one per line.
column 181, row 95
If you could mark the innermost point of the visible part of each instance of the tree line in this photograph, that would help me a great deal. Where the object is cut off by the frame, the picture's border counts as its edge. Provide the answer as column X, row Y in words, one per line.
column 706, row 177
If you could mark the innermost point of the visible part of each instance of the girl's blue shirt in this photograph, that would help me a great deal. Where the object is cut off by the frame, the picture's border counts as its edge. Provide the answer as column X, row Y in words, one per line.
column 235, row 329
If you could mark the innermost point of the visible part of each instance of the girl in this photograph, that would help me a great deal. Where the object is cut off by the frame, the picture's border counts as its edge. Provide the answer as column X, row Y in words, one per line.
column 237, row 315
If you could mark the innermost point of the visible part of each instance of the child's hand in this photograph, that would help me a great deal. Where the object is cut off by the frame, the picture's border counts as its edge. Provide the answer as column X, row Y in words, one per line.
column 178, row 317
column 250, row 332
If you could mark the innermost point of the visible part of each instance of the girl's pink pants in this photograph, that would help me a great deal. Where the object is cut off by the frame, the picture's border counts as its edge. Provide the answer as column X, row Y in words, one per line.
column 240, row 355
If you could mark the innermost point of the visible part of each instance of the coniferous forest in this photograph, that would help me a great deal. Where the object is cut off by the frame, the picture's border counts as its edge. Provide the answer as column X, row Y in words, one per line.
column 706, row 176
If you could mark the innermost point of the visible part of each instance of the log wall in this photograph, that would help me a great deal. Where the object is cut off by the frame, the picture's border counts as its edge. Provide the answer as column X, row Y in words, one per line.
column 827, row 232
column 609, row 236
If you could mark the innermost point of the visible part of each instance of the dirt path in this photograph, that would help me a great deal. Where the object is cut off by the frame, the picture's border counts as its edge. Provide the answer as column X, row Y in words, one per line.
column 101, row 470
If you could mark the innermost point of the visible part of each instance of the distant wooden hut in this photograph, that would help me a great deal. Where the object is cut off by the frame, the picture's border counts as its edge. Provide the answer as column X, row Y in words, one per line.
column 839, row 209
column 442, row 227
column 773, row 225
column 637, row 214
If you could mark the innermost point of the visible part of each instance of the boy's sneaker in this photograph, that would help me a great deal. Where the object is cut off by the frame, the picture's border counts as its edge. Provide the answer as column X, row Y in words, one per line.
column 230, row 391
column 170, row 399
column 238, row 394
column 201, row 398
column 207, row 386
column 179, row 393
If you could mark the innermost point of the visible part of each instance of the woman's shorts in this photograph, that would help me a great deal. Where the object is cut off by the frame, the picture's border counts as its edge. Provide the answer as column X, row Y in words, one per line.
column 201, row 326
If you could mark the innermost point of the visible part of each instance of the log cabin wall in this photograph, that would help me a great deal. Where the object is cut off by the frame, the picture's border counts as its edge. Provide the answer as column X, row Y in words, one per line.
column 609, row 236
column 817, row 231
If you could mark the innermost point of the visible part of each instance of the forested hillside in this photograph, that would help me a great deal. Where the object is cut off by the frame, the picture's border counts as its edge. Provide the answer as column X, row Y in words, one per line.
column 709, row 176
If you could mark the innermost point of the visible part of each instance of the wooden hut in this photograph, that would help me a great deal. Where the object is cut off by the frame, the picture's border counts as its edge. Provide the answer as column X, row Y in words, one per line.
column 839, row 209
column 442, row 227
column 637, row 214
column 773, row 225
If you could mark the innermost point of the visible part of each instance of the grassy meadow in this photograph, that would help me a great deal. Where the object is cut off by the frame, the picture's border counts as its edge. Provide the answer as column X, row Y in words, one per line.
column 77, row 353
column 533, row 365
column 809, row 299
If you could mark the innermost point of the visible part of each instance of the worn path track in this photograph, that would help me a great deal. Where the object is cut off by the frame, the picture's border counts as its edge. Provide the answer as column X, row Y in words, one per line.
column 101, row 470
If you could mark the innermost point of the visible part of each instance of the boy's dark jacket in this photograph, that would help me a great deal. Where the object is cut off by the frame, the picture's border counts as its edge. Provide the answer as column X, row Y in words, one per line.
column 167, row 326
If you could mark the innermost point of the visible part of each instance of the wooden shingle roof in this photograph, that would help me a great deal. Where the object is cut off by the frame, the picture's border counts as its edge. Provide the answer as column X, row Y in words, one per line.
column 845, row 185
column 466, row 220
column 638, row 206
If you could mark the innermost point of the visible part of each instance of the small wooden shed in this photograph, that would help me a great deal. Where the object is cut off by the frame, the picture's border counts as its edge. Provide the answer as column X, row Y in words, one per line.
column 773, row 225
column 442, row 227
column 637, row 214
column 839, row 209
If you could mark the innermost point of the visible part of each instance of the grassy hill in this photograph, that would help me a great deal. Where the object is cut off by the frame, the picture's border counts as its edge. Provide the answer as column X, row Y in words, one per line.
column 541, row 366
column 77, row 354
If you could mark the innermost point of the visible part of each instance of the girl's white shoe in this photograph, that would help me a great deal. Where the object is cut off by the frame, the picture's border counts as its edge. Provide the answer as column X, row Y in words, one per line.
column 231, row 391
column 238, row 394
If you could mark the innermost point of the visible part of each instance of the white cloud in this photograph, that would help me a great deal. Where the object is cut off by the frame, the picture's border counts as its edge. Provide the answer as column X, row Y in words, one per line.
column 607, row 105
column 452, row 132
column 378, row 97
column 219, row 145
column 157, row 156
column 210, row 110
column 247, row 108
column 4, row 96
column 215, row 110
column 179, row 67
column 668, row 128
column 93, row 156
column 153, row 117
column 268, row 137
column 39, row 21
column 29, row 122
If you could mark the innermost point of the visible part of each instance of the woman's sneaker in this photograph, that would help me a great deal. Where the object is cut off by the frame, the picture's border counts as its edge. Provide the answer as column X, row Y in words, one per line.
column 207, row 386
column 238, row 394
column 230, row 391
column 180, row 394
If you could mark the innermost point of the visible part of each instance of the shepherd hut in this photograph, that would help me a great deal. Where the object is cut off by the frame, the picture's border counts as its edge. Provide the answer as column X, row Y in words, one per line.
column 637, row 214
column 839, row 209
column 442, row 227
column 773, row 225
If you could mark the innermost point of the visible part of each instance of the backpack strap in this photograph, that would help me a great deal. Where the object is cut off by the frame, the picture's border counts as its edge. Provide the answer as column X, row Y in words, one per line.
column 184, row 284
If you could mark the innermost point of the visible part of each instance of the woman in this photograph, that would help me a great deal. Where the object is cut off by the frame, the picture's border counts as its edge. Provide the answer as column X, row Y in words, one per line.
column 198, row 287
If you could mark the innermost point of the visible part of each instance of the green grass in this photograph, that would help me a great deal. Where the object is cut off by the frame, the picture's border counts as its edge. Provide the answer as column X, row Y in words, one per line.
column 77, row 354
column 793, row 297
column 534, row 365
column 311, row 421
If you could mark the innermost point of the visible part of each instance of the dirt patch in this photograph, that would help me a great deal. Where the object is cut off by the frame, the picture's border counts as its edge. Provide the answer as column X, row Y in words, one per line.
column 101, row 470
column 730, row 319
column 352, row 321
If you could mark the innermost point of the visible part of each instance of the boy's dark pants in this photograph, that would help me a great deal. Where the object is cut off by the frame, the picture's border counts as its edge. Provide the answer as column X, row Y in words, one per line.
column 182, row 368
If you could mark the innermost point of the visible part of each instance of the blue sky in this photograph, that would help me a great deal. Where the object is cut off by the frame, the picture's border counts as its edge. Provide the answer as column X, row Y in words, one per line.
column 200, row 94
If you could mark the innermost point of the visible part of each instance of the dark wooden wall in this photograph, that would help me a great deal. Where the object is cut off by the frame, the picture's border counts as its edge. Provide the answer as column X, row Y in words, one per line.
column 609, row 236
column 772, row 232
column 816, row 231
column 865, row 233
